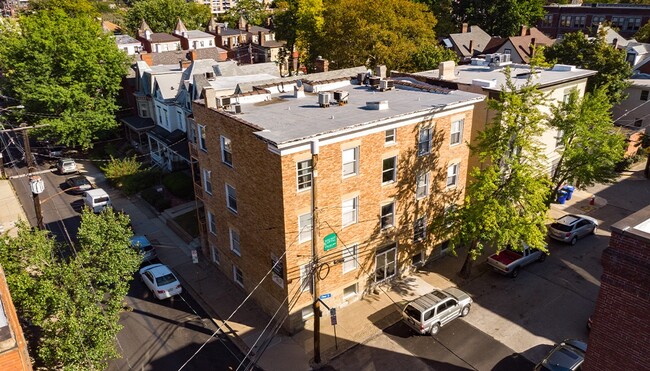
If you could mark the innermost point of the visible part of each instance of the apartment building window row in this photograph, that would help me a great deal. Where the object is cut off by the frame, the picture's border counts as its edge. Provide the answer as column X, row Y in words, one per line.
column 350, row 161
column 548, row 20
column 565, row 20
column 304, row 174
column 231, row 198
column 234, row 241
column 226, row 151
column 597, row 19
column 579, row 21
column 350, row 258
column 387, row 218
column 389, row 170
column 618, row 22
column 304, row 227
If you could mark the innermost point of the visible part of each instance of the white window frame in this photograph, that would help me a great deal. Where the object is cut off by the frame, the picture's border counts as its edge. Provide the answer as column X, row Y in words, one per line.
column 390, row 136
column 226, row 150
column 392, row 171
column 305, row 278
column 202, row 135
column 207, row 181
column 235, row 241
column 212, row 223
column 235, row 276
column 356, row 291
column 388, row 216
column 231, row 195
column 456, row 134
column 425, row 138
column 452, row 175
column 216, row 254
column 277, row 269
column 350, row 207
column 420, row 229
column 350, row 255
column 347, row 162
column 304, row 172
column 304, row 227
column 422, row 185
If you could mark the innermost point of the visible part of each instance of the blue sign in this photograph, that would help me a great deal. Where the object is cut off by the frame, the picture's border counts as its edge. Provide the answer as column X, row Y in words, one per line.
column 325, row 296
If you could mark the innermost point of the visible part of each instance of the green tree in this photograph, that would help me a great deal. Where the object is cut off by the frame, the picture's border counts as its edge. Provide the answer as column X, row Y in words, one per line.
column 299, row 23
column 429, row 56
column 500, row 18
column 359, row 33
column 591, row 146
column 71, row 7
column 594, row 54
column 66, row 72
column 505, row 203
column 444, row 12
column 74, row 297
column 253, row 12
column 162, row 15
column 643, row 34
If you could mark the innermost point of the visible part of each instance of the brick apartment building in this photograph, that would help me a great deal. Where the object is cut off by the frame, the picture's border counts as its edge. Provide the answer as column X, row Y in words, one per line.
column 13, row 348
column 620, row 331
column 389, row 160
column 564, row 18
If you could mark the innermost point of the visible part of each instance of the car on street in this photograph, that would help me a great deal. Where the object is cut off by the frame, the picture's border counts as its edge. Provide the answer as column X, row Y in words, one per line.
column 144, row 247
column 161, row 281
column 571, row 227
column 568, row 355
column 510, row 261
column 431, row 311
column 66, row 166
column 78, row 184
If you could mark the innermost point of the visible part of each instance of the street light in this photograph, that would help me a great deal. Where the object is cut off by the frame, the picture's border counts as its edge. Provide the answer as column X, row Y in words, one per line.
column 37, row 187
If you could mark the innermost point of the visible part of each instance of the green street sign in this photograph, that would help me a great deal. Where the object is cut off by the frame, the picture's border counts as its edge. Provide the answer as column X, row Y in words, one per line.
column 330, row 241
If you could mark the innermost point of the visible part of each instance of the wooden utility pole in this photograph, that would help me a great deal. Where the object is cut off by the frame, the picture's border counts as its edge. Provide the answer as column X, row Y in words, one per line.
column 314, row 250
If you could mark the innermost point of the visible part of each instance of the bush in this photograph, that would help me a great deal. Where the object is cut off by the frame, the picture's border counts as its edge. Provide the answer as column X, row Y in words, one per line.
column 155, row 199
column 127, row 175
column 180, row 185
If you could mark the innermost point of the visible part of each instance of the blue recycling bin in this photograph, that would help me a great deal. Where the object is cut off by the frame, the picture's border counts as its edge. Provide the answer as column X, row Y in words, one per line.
column 569, row 191
column 561, row 197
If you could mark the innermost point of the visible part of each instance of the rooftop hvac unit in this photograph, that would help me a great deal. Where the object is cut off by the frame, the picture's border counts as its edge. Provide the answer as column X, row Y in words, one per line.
column 374, row 81
column 361, row 76
column 341, row 96
column 237, row 108
column 225, row 101
column 324, row 99
column 386, row 85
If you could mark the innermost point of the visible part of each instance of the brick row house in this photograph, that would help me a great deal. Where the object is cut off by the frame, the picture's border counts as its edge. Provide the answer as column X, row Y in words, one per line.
column 391, row 157
column 13, row 347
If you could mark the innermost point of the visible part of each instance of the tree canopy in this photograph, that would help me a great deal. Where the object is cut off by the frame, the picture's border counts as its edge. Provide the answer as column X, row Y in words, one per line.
column 643, row 34
column 74, row 297
column 444, row 12
column 591, row 146
column 499, row 18
column 253, row 11
column 162, row 15
column 505, row 203
column 594, row 54
column 299, row 22
column 65, row 70
column 428, row 57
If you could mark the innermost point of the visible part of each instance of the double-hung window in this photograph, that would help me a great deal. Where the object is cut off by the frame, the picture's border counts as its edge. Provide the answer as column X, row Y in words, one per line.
column 350, row 210
column 231, row 198
column 389, row 136
column 207, row 182
column 212, row 223
column 452, row 175
column 387, row 215
column 226, row 151
column 389, row 167
column 644, row 94
column 234, row 242
column 304, row 174
column 238, row 275
column 457, row 131
column 422, row 187
column 420, row 229
column 202, row 143
column 424, row 141
column 350, row 258
column 350, row 161
column 305, row 277
column 304, row 227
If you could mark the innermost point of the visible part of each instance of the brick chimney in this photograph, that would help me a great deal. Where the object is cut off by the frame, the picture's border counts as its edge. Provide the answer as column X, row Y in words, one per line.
column 532, row 46
column 471, row 48
column 184, row 63
column 260, row 38
column 524, row 30
column 321, row 64
column 463, row 28
column 210, row 97
column 615, row 43
column 147, row 58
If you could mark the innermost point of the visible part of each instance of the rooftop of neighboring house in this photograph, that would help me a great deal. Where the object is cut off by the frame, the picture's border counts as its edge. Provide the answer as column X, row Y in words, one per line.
column 285, row 119
column 126, row 40
column 196, row 34
column 491, row 75
column 161, row 37
column 641, row 80
column 523, row 42
column 469, row 35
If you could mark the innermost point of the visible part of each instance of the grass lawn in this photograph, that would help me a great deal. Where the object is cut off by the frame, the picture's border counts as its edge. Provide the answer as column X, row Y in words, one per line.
column 189, row 223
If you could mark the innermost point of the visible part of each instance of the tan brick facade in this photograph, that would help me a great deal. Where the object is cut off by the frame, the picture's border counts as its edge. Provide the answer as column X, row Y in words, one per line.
column 269, row 204
column 13, row 348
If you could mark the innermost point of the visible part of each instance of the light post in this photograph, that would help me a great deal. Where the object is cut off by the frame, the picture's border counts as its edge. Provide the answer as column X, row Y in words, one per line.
column 37, row 186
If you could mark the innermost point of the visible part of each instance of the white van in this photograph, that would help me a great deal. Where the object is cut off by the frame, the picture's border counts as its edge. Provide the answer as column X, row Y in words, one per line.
column 96, row 200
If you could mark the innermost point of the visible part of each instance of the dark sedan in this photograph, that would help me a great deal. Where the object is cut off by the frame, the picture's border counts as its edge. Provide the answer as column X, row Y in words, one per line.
column 78, row 184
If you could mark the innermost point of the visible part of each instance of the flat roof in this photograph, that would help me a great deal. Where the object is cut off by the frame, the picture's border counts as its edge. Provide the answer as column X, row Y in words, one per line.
column 637, row 225
column 464, row 74
column 286, row 119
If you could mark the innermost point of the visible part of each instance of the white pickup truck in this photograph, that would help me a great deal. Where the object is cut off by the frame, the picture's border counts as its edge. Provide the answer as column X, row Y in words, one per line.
column 509, row 261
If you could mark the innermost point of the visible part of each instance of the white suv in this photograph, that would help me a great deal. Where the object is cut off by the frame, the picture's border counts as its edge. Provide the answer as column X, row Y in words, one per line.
column 66, row 166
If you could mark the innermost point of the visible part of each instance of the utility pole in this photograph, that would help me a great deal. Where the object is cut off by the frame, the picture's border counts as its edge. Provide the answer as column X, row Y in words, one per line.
column 28, row 150
column 314, row 249
column 37, row 187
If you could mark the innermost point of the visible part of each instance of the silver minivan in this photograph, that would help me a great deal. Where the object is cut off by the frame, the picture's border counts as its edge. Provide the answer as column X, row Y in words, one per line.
column 429, row 312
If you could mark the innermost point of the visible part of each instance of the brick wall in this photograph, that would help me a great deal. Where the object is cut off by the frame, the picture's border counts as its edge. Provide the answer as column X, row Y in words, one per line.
column 13, row 352
column 621, row 322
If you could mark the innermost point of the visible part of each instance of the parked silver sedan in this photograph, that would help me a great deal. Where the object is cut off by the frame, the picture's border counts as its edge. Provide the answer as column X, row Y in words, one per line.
column 161, row 281
column 571, row 227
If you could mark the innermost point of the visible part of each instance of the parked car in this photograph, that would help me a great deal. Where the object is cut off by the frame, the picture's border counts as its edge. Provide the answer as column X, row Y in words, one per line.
column 144, row 247
column 568, row 355
column 96, row 200
column 429, row 312
column 509, row 261
column 571, row 227
column 161, row 281
column 66, row 166
column 78, row 184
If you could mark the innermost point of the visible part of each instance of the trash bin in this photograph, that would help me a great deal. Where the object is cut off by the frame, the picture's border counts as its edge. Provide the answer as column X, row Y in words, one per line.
column 569, row 191
column 561, row 197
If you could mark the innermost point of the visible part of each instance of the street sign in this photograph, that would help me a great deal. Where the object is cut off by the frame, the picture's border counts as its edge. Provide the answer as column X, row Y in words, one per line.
column 195, row 257
column 330, row 241
column 325, row 296
column 333, row 316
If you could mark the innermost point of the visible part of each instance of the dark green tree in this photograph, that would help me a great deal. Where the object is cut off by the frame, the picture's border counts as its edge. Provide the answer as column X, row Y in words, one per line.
column 591, row 146
column 505, row 202
column 162, row 15
column 444, row 12
column 299, row 23
column 73, row 296
column 594, row 54
column 643, row 34
column 253, row 12
column 429, row 56
column 66, row 72
column 499, row 18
